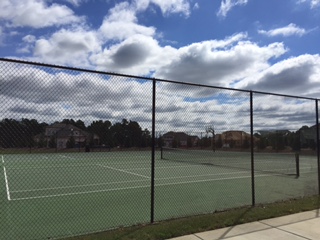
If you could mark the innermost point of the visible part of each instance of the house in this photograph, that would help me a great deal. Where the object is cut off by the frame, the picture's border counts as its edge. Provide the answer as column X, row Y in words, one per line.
column 265, row 133
column 179, row 139
column 227, row 139
column 236, row 139
column 62, row 133
column 308, row 136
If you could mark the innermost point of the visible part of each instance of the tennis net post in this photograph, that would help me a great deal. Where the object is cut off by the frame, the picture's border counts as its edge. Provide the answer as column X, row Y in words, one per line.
column 297, row 158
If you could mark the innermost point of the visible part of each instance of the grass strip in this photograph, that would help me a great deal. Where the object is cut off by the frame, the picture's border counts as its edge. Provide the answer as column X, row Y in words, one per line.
column 184, row 226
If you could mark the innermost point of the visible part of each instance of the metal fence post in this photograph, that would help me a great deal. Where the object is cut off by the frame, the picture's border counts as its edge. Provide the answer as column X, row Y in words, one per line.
column 153, row 148
column 317, row 141
column 252, row 150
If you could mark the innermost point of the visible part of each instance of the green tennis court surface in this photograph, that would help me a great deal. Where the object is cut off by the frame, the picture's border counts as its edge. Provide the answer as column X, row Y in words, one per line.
column 64, row 194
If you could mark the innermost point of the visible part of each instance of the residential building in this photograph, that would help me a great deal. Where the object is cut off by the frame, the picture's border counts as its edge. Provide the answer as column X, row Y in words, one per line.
column 236, row 139
column 61, row 134
column 308, row 136
column 179, row 139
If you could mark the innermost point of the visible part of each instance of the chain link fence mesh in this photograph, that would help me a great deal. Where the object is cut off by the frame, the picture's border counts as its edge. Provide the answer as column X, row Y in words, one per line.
column 75, row 150
column 201, row 128
column 289, row 144
column 80, row 153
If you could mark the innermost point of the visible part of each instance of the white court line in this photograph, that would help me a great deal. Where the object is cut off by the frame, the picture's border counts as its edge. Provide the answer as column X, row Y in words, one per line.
column 54, row 166
column 167, row 167
column 136, row 187
column 120, row 182
column 78, row 193
column 121, row 170
column 6, row 179
column 75, row 186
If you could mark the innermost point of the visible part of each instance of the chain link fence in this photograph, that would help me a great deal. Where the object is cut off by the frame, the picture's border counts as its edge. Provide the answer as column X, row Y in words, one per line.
column 84, row 151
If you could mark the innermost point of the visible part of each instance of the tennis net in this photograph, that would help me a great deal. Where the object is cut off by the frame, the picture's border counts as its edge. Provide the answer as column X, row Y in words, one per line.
column 273, row 163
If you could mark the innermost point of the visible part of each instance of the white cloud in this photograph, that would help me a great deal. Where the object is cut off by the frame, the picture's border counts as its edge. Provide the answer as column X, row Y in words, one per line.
column 167, row 7
column 122, row 45
column 295, row 76
column 1, row 36
column 55, row 95
column 173, row 6
column 313, row 3
column 137, row 55
column 29, row 39
column 27, row 45
column 227, row 5
column 286, row 31
column 219, row 62
column 121, row 23
column 76, row 3
column 275, row 112
column 71, row 47
column 36, row 13
column 209, row 62
column 215, row 62
column 128, row 46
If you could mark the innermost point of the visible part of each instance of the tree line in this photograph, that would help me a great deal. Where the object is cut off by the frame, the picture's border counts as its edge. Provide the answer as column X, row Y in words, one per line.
column 279, row 140
column 21, row 133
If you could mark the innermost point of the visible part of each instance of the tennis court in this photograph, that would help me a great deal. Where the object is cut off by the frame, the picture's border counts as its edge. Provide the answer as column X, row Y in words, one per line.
column 65, row 194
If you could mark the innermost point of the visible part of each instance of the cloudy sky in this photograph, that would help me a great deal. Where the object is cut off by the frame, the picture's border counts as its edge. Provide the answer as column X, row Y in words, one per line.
column 270, row 46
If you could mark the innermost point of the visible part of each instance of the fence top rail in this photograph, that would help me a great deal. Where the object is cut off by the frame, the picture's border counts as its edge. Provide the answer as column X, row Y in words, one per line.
column 149, row 78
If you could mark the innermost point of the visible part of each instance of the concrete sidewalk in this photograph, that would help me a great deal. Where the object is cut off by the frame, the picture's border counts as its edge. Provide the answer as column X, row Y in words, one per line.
column 300, row 226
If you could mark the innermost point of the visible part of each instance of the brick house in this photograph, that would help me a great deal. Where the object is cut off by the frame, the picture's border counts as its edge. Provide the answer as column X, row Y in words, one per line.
column 179, row 139
column 237, row 139
column 61, row 133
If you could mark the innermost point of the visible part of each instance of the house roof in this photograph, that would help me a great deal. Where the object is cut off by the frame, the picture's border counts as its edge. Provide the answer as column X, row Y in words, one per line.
column 67, row 130
column 178, row 135
column 57, row 125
